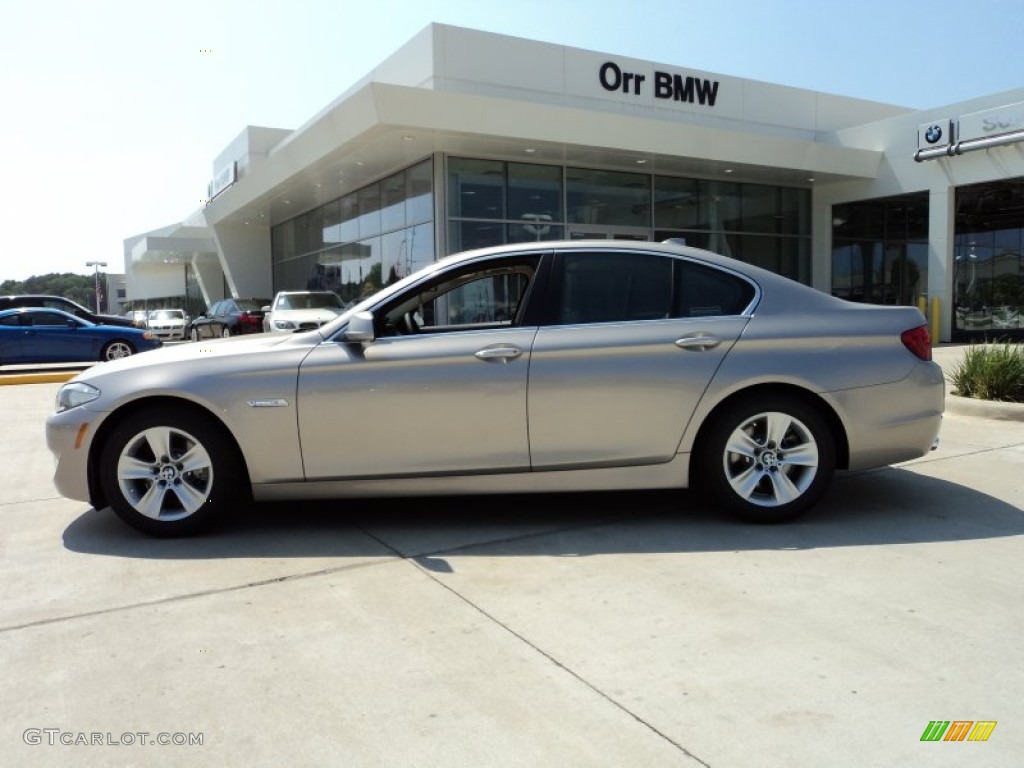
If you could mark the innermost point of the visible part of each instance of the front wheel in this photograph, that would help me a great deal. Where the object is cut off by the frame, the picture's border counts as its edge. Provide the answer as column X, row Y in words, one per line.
column 117, row 349
column 768, row 460
column 169, row 472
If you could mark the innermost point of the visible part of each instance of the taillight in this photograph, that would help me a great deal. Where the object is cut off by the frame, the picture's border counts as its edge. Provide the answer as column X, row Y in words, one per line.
column 247, row 319
column 918, row 341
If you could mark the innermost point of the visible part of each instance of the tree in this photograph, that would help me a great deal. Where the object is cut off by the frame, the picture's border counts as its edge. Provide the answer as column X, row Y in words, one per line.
column 80, row 288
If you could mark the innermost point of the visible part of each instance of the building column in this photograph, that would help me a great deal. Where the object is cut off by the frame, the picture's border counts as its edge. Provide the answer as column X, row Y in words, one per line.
column 941, row 228
column 245, row 257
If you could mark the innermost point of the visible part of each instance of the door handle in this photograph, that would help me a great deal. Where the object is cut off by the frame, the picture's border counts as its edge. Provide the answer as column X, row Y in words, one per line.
column 698, row 343
column 501, row 354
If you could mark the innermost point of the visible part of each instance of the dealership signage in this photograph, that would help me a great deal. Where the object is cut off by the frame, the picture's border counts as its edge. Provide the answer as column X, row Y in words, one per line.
column 992, row 122
column 937, row 133
column 223, row 179
column 666, row 86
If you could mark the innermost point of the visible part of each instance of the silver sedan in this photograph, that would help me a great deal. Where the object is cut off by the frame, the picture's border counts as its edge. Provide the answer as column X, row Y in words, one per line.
column 562, row 366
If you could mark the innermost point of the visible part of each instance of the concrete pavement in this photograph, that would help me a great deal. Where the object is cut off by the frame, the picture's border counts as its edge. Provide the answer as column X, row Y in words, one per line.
column 584, row 630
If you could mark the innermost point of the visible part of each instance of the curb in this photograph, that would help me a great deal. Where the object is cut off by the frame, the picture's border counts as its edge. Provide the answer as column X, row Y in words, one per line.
column 37, row 378
column 984, row 409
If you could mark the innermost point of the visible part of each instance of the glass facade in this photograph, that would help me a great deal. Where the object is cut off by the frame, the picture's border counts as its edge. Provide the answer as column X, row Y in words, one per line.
column 880, row 250
column 491, row 202
column 988, row 271
column 361, row 242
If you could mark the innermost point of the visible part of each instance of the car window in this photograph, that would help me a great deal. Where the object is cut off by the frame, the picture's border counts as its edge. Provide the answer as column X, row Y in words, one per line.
column 47, row 319
column 705, row 292
column 10, row 320
column 479, row 295
column 614, row 287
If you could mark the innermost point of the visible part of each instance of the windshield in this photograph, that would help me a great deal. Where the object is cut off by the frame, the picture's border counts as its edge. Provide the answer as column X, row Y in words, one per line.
column 309, row 301
column 167, row 314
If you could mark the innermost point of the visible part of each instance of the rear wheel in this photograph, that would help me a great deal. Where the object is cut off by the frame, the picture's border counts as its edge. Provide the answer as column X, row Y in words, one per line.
column 169, row 472
column 768, row 460
column 117, row 349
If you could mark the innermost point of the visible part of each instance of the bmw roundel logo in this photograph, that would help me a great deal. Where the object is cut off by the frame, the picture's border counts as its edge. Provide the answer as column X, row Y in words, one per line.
column 933, row 134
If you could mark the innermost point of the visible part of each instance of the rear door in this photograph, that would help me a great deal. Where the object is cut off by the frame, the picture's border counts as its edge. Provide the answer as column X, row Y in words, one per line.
column 633, row 340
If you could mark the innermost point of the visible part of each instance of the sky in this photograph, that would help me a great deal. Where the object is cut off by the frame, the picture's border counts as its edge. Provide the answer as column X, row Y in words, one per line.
column 112, row 111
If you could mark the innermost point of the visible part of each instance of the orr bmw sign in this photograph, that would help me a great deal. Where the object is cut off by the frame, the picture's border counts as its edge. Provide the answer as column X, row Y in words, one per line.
column 663, row 85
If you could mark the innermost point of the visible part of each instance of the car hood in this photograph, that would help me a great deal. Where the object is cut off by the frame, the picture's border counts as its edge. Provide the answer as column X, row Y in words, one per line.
column 209, row 352
column 305, row 315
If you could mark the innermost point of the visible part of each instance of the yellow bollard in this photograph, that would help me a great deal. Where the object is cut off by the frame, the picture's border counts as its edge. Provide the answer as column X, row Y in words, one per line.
column 934, row 324
column 922, row 304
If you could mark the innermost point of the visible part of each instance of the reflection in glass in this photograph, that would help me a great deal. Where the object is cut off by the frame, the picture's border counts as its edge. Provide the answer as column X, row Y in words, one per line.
column 880, row 250
column 476, row 188
column 419, row 198
column 392, row 201
column 608, row 197
column 534, row 193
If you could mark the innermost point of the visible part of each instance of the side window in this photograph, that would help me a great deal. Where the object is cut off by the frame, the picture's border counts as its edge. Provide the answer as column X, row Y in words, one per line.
column 478, row 296
column 48, row 319
column 614, row 287
column 10, row 320
column 706, row 292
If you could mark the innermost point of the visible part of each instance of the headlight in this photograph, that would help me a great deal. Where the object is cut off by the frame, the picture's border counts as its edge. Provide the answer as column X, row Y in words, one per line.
column 284, row 325
column 75, row 394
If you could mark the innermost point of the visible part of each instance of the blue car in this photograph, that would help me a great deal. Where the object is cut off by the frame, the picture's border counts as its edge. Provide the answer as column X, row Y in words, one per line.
column 40, row 335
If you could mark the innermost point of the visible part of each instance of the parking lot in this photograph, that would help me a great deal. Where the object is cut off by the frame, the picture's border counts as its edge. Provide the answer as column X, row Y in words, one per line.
column 636, row 629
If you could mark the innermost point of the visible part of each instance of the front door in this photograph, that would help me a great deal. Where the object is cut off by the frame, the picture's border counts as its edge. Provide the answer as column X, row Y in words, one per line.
column 442, row 390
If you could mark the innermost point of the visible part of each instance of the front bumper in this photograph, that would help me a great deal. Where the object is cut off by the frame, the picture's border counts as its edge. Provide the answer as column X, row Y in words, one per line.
column 69, row 437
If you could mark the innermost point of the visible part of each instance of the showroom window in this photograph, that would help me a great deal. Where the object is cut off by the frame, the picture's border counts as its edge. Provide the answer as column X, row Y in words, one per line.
column 880, row 250
column 359, row 243
column 988, row 268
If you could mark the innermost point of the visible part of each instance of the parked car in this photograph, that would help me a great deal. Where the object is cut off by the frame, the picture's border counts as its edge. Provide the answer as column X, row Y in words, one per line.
column 138, row 317
column 167, row 323
column 229, row 317
column 301, row 310
column 65, row 305
column 555, row 366
column 30, row 335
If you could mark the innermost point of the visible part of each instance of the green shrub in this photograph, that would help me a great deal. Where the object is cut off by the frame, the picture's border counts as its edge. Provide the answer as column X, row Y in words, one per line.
column 991, row 372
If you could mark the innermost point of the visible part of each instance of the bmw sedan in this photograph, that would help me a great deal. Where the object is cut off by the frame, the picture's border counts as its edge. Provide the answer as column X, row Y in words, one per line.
column 568, row 366
column 52, row 336
column 301, row 310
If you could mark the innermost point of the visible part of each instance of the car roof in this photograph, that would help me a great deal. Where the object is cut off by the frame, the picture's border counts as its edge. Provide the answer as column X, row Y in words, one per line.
column 24, row 310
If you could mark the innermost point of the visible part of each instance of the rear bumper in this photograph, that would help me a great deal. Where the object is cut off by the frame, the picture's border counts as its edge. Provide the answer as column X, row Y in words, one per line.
column 894, row 422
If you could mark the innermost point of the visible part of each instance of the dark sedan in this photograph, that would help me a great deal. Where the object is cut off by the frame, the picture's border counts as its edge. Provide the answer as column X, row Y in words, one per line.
column 31, row 335
column 64, row 305
column 229, row 317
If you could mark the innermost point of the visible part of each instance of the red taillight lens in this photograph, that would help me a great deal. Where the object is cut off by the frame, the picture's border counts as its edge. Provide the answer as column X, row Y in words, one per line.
column 246, row 319
column 918, row 341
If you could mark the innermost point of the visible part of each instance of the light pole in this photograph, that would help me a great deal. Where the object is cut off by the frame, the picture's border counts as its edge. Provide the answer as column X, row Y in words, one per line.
column 99, row 296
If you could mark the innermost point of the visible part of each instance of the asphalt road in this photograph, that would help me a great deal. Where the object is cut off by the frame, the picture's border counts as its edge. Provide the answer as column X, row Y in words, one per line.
column 587, row 630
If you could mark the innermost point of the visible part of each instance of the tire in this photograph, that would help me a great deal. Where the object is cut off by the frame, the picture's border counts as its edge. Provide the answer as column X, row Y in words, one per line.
column 194, row 334
column 226, row 332
column 170, row 472
column 767, row 459
column 116, row 349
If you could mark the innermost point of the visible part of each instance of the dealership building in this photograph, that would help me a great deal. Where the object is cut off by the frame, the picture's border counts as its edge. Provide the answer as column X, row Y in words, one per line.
column 464, row 139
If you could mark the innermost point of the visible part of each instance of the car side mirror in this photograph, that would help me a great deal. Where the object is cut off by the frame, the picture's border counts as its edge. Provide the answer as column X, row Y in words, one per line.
column 360, row 327
column 265, row 309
